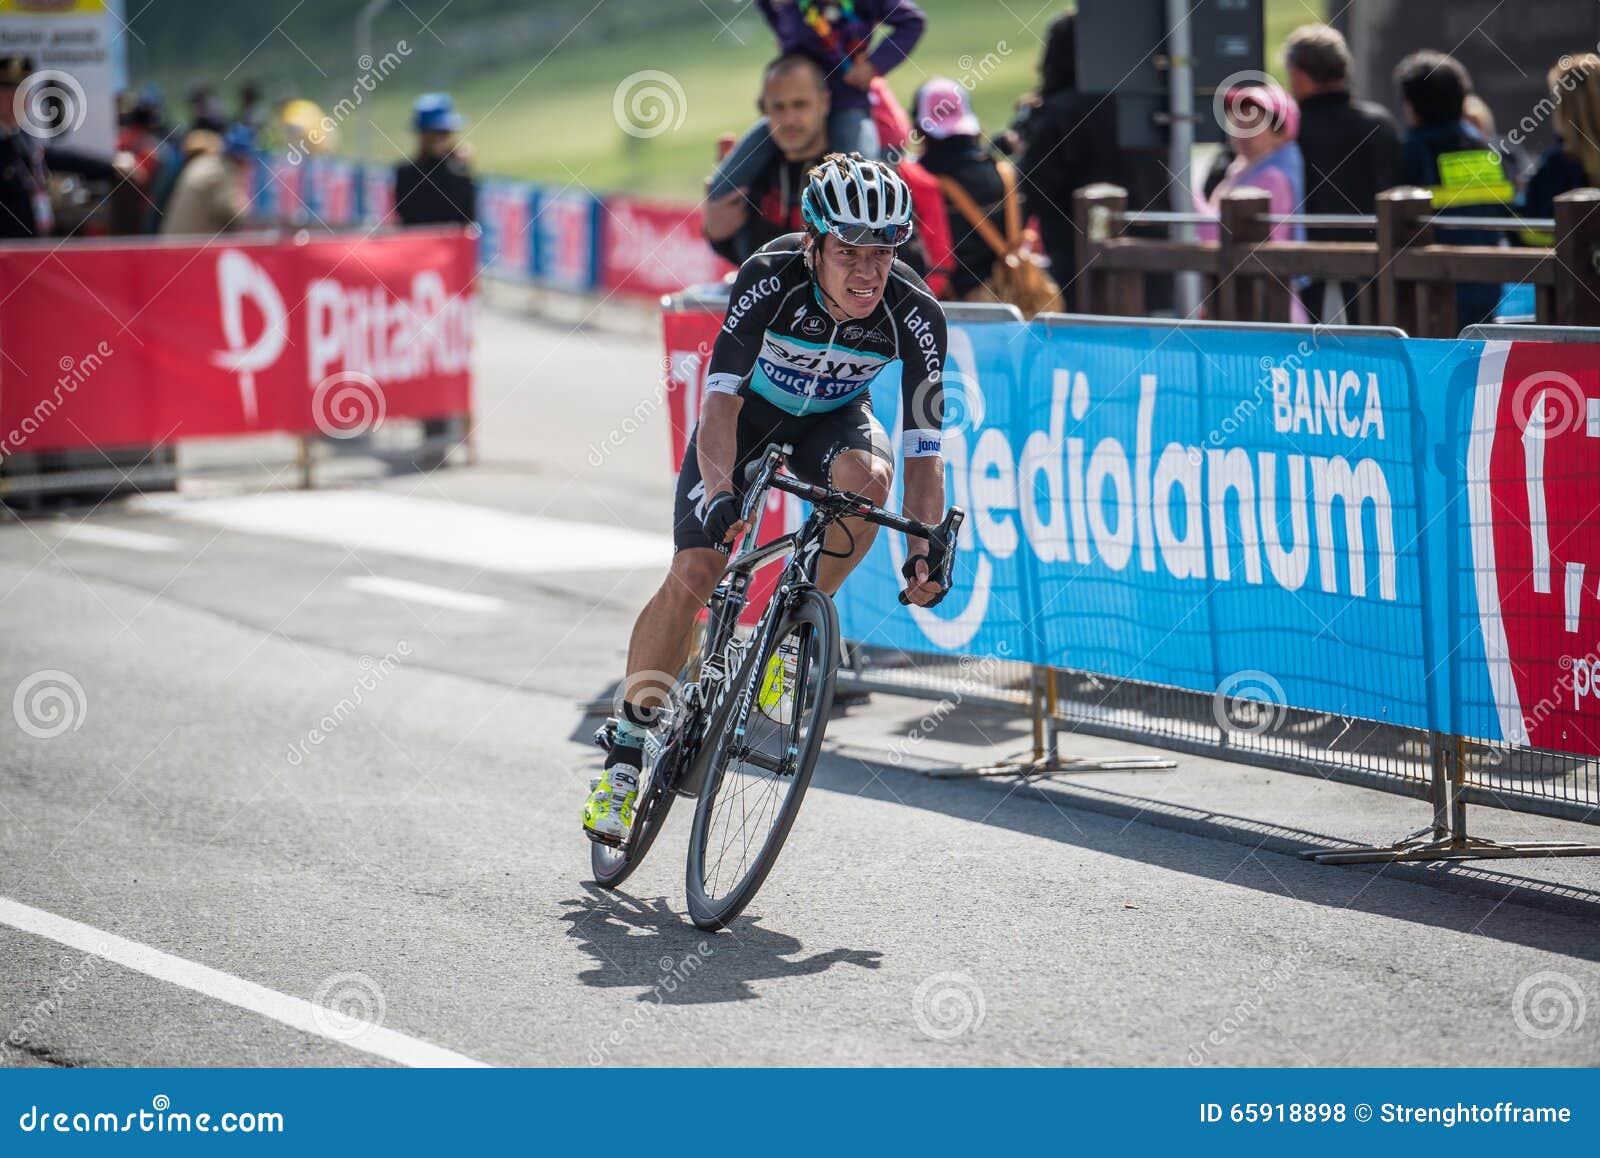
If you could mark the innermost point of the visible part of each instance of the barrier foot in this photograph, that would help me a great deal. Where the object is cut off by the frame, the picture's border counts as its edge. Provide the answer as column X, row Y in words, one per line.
column 1030, row 767
column 1450, row 848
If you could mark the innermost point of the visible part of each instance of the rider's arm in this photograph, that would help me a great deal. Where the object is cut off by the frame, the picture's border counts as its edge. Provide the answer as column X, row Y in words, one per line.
column 719, row 422
column 752, row 302
column 923, row 343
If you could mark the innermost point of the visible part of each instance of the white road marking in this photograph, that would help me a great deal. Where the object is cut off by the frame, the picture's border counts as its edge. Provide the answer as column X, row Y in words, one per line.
column 459, row 533
column 425, row 593
column 116, row 537
column 295, row 1012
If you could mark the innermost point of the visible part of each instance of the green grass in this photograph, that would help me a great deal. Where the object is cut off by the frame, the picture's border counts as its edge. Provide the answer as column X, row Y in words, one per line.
column 551, row 119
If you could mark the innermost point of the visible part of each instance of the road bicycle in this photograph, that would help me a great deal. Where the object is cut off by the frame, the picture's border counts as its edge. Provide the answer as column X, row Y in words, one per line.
column 742, row 732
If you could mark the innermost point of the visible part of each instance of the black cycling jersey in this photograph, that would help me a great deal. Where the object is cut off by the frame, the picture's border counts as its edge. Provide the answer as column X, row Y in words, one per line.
column 779, row 343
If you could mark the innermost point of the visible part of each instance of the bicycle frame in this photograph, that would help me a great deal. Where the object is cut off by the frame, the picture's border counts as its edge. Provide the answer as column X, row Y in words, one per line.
column 805, row 545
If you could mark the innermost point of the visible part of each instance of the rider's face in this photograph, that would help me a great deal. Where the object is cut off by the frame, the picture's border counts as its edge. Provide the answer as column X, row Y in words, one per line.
column 853, row 276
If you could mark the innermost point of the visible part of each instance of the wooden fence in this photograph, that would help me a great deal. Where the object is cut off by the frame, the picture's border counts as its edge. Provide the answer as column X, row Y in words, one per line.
column 1403, row 275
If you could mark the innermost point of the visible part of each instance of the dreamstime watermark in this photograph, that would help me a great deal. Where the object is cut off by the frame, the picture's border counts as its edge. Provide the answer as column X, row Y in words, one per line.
column 1271, row 974
column 373, row 73
column 675, row 973
column 1570, row 78
column 649, row 103
column 49, row 703
column 976, row 674
column 349, row 1006
column 78, row 971
column 1549, row 1004
column 348, row 404
column 974, row 71
column 74, row 373
column 677, row 366
column 1275, row 375
column 1548, row 404
column 49, row 104
column 948, row 1005
column 1249, row 703
column 373, row 672
column 1245, row 119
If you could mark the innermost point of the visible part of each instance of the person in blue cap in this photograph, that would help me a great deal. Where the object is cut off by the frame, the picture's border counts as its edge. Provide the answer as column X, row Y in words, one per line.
column 436, row 187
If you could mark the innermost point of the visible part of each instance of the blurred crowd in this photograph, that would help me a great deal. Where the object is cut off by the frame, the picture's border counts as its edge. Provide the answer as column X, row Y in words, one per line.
column 1311, row 146
column 994, row 210
column 195, row 174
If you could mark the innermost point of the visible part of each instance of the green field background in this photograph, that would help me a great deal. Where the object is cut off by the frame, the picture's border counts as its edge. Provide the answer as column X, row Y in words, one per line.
column 543, row 109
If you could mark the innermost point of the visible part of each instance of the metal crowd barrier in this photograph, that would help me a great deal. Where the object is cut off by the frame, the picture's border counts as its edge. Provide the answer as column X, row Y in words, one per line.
column 1449, row 772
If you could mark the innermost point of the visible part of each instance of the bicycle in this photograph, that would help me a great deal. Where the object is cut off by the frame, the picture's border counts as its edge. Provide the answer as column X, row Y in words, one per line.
column 776, row 684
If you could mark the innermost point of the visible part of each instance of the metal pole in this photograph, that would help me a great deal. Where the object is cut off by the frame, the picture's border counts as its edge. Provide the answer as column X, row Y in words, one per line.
column 1180, row 89
column 364, row 23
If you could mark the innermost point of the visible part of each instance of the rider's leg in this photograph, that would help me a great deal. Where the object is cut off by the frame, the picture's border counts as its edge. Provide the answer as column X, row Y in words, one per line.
column 867, row 475
column 659, row 646
column 660, row 641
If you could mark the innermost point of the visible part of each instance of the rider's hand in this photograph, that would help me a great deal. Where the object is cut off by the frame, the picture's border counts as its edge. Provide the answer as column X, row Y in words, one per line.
column 721, row 521
column 920, row 589
column 725, row 216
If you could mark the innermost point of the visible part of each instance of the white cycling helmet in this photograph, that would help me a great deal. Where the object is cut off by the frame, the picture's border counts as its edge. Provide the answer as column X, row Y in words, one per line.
column 860, row 202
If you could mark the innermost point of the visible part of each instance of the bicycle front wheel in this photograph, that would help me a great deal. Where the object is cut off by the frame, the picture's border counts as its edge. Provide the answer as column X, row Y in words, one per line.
column 762, row 760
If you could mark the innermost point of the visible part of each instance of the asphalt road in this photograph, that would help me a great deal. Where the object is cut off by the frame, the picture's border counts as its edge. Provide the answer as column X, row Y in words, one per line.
column 288, row 765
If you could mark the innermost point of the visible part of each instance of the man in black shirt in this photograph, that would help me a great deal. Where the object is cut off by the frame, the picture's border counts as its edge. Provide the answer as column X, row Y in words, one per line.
column 436, row 187
column 794, row 99
column 1351, row 149
column 26, row 162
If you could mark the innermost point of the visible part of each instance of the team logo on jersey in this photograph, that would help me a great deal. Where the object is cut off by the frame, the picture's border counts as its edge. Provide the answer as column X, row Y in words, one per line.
column 853, row 331
column 813, row 326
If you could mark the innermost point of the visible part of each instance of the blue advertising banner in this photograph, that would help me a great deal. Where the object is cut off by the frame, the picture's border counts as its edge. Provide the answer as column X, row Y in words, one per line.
column 566, row 239
column 1181, row 506
column 505, row 216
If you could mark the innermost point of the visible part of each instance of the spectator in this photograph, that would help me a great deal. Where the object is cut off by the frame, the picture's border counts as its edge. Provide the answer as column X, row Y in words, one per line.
column 1263, row 122
column 26, row 164
column 1444, row 153
column 1067, row 139
column 253, row 111
column 1351, row 150
column 138, row 138
column 794, row 106
column 212, row 195
column 953, row 150
column 1477, row 113
column 838, row 35
column 1574, row 161
column 436, row 187
column 205, row 112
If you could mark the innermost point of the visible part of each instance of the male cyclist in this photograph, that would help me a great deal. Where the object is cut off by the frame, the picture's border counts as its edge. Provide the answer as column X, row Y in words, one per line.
column 813, row 318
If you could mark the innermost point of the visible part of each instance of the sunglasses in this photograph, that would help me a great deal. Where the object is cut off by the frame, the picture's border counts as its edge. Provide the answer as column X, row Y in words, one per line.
column 866, row 236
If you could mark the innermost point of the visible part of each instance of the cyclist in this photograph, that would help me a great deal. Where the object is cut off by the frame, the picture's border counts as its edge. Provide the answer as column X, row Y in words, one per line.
column 813, row 317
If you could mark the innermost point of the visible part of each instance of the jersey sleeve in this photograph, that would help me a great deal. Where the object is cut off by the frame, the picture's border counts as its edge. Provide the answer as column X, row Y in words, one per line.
column 923, row 344
column 752, row 304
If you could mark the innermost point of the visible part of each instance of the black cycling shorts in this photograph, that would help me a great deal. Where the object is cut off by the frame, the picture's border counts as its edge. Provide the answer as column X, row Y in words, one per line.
column 817, row 440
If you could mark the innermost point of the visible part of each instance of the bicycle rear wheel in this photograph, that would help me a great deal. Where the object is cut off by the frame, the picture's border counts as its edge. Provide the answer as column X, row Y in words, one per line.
column 762, row 760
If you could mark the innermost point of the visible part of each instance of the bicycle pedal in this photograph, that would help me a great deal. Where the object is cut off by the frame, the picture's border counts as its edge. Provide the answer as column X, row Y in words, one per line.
column 600, row 838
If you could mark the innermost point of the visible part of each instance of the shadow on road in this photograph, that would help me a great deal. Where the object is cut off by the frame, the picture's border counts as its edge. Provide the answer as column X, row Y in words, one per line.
column 643, row 943
column 1140, row 828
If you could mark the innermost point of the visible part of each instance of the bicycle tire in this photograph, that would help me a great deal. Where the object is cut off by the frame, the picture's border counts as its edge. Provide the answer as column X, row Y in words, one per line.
column 611, row 865
column 811, row 609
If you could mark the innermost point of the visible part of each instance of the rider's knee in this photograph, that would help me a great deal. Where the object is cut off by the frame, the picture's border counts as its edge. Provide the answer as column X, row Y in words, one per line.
column 693, row 577
column 864, row 474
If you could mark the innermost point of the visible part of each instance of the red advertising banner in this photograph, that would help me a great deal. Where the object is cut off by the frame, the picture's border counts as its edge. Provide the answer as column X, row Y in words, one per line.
column 648, row 247
column 121, row 345
column 1536, row 540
